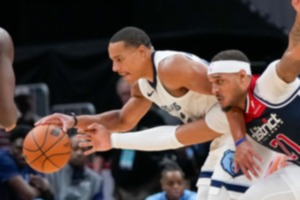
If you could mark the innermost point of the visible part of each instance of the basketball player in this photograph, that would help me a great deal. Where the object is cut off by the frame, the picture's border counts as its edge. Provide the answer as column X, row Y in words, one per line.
column 8, row 110
column 176, row 82
column 272, row 106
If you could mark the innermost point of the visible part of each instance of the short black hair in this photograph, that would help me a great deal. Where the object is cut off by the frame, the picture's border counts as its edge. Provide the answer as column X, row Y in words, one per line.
column 231, row 54
column 19, row 132
column 132, row 36
column 170, row 167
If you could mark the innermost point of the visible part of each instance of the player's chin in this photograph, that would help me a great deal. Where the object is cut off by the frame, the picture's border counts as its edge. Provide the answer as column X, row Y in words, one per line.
column 130, row 79
column 226, row 108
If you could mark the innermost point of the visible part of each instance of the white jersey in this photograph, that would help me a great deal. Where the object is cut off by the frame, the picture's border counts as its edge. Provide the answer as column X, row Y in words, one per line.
column 187, row 108
column 193, row 106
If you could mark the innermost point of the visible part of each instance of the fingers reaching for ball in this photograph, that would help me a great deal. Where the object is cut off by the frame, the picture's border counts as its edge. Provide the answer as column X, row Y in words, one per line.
column 96, row 138
column 58, row 119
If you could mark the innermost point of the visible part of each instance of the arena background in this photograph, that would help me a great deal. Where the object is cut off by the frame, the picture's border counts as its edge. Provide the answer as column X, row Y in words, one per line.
column 64, row 44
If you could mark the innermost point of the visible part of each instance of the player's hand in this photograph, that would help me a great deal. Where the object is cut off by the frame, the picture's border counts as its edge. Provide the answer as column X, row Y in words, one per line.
column 96, row 138
column 61, row 120
column 246, row 159
column 39, row 182
column 296, row 5
column 280, row 161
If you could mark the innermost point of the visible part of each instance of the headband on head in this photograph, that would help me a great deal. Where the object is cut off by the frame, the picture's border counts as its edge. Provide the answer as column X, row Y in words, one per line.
column 228, row 66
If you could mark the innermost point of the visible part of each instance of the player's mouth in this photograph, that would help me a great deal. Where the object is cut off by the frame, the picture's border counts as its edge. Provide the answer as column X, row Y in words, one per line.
column 219, row 98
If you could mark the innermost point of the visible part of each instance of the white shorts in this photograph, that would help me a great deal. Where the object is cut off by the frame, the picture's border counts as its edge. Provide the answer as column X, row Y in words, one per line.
column 217, row 179
column 283, row 184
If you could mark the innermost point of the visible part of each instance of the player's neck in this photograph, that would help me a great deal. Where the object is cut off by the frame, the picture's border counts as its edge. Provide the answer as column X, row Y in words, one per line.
column 149, row 69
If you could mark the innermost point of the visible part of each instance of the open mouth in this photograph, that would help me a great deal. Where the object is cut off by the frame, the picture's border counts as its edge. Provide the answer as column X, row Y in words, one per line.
column 219, row 98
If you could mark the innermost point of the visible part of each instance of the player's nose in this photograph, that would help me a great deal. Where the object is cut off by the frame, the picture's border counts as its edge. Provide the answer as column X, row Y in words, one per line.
column 215, row 89
column 116, row 67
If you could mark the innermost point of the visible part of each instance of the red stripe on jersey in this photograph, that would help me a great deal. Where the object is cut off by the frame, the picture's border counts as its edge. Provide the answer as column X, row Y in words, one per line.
column 254, row 107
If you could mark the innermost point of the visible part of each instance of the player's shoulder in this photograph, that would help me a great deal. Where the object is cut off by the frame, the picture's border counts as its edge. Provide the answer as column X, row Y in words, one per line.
column 170, row 61
column 4, row 35
column 3, row 31
column 6, row 43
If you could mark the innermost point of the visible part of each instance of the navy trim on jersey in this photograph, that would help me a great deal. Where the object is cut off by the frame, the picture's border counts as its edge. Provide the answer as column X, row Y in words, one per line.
column 205, row 174
column 153, row 84
column 279, row 105
column 228, row 186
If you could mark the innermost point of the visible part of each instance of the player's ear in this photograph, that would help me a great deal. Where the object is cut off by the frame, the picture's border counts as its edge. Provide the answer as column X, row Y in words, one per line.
column 142, row 50
column 243, row 75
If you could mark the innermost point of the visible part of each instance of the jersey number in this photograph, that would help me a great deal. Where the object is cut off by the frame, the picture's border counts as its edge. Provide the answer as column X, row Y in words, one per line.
column 282, row 138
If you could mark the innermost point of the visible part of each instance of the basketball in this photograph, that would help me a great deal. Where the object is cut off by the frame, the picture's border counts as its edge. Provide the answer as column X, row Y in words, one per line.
column 47, row 148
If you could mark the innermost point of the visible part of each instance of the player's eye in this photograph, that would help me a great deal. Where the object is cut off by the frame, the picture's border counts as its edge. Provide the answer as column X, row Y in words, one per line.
column 219, row 82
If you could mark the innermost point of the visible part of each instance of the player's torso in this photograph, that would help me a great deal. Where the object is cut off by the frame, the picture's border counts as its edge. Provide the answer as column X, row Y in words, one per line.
column 276, row 126
column 188, row 107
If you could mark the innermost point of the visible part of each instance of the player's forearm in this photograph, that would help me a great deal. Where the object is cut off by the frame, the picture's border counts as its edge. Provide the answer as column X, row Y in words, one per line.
column 154, row 139
column 195, row 132
column 294, row 36
column 112, row 120
column 237, row 123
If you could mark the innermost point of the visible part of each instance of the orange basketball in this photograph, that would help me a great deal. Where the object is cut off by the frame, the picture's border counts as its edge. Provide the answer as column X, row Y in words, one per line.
column 47, row 148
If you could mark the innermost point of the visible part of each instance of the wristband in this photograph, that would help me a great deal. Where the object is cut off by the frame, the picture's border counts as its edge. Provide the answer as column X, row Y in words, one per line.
column 237, row 143
column 75, row 119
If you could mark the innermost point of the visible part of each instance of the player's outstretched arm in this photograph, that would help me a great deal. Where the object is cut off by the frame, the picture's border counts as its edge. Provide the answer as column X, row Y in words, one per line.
column 117, row 120
column 289, row 66
column 8, row 110
column 97, row 138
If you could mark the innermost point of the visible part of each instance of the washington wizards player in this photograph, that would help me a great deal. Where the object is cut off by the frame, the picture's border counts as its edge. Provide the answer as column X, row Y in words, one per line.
column 272, row 108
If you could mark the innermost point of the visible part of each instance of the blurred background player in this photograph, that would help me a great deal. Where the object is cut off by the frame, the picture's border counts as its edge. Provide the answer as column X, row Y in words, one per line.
column 76, row 181
column 174, row 185
column 17, row 180
column 129, row 166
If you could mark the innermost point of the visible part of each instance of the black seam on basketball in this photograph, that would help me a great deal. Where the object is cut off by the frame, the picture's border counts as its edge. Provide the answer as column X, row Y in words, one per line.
column 36, row 143
column 43, row 152
column 46, row 135
column 52, row 161
column 44, row 162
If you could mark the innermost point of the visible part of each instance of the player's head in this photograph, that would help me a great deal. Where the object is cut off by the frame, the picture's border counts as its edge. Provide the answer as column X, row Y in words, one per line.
column 230, row 75
column 78, row 159
column 130, row 49
column 16, row 138
column 173, row 181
